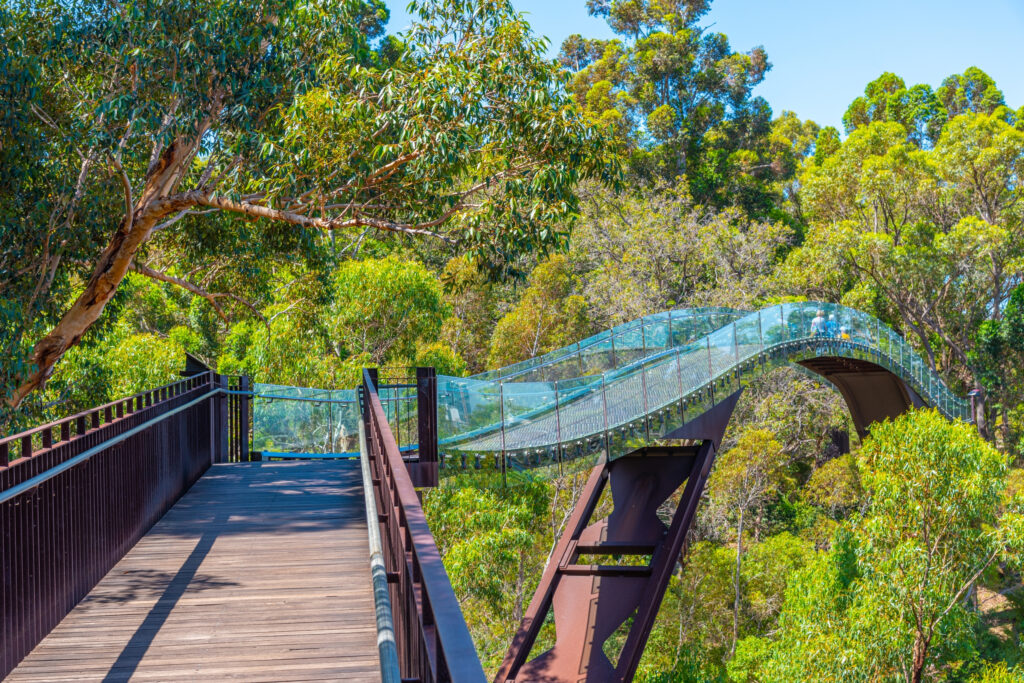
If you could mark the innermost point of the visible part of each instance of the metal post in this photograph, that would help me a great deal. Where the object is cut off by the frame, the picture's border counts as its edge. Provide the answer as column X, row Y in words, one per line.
column 501, row 401
column 558, row 431
column 711, row 372
column 736, row 353
column 330, row 421
column 760, row 341
column 426, row 418
column 643, row 387
column 604, row 402
column 398, row 418
column 243, row 416
column 221, row 403
column 679, row 371
column 611, row 335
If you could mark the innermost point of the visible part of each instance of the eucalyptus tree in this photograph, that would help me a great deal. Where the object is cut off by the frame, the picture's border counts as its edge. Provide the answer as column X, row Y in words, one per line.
column 134, row 120
column 930, row 239
column 921, row 110
column 889, row 601
column 887, row 98
column 679, row 99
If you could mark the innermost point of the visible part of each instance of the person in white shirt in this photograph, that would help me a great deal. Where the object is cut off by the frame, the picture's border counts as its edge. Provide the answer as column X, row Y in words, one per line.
column 818, row 325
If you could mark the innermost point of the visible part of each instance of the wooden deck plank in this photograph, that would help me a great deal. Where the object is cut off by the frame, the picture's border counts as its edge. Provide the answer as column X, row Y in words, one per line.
column 259, row 573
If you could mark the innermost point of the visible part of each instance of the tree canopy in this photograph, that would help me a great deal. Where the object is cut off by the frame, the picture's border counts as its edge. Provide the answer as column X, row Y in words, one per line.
column 142, row 120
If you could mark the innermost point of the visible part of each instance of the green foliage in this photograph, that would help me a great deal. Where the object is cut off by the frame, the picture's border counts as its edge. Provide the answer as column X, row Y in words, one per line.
column 999, row 673
column 121, row 363
column 973, row 91
column 442, row 358
column 679, row 100
column 135, row 122
column 382, row 307
column 888, row 599
column 877, row 240
column 887, row 98
column 835, row 487
column 494, row 541
column 652, row 250
column 473, row 302
column 548, row 316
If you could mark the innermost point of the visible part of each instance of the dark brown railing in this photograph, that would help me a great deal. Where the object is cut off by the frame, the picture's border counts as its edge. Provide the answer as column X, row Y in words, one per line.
column 81, row 492
column 433, row 641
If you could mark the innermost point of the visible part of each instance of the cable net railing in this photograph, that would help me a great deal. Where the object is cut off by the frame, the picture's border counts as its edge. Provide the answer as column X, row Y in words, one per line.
column 611, row 392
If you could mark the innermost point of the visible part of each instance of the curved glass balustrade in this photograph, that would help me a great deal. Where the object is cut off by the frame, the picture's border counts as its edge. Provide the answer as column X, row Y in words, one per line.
column 618, row 346
column 618, row 389
column 667, row 385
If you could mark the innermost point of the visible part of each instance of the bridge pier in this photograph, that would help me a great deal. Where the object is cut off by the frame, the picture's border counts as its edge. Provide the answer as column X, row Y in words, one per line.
column 593, row 602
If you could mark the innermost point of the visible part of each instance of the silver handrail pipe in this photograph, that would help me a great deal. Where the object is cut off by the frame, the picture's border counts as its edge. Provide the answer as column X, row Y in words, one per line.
column 386, row 646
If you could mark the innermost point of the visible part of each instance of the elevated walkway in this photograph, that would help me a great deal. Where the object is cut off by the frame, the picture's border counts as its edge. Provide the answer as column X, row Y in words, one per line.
column 258, row 573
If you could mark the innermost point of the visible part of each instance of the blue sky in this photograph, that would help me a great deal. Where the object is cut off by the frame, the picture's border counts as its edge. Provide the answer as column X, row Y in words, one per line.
column 823, row 53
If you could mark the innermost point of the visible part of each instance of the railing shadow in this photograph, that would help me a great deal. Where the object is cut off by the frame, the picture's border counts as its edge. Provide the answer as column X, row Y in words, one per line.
column 128, row 661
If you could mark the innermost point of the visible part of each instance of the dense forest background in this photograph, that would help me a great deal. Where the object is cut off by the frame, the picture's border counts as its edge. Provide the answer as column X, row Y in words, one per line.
column 287, row 192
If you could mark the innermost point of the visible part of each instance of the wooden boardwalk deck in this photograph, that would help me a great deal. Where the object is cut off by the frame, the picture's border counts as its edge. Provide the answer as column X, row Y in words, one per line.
column 259, row 573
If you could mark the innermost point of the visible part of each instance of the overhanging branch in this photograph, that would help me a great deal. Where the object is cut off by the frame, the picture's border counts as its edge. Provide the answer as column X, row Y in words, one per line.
column 184, row 284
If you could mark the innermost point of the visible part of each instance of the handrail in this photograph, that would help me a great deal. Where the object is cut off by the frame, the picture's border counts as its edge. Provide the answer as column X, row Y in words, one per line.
column 46, row 475
column 386, row 646
column 433, row 640
column 10, row 438
column 86, row 488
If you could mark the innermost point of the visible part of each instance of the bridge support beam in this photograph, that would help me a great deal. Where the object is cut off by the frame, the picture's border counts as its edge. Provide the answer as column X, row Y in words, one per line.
column 872, row 393
column 597, row 605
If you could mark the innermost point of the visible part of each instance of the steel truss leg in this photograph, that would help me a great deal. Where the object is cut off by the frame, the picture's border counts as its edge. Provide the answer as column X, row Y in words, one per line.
column 592, row 601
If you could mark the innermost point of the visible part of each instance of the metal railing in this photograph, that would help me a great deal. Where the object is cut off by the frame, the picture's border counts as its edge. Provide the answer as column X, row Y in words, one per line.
column 83, row 490
column 433, row 641
column 387, row 648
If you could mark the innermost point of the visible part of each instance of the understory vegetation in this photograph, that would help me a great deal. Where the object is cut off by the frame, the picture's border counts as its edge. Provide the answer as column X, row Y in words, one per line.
column 291, row 193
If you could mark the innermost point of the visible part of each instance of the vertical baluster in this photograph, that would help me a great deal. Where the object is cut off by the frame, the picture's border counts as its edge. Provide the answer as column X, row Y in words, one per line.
column 643, row 389
column 558, row 431
column 501, row 404
column 711, row 371
column 604, row 412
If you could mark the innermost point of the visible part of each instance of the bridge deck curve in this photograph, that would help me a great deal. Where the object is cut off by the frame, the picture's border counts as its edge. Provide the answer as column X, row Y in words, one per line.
column 258, row 573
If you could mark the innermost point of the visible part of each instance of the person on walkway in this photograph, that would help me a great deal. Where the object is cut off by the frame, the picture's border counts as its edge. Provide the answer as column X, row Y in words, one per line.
column 818, row 325
column 832, row 327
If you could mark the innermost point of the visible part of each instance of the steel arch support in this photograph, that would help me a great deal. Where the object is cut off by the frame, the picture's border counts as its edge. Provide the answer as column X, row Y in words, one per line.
column 591, row 602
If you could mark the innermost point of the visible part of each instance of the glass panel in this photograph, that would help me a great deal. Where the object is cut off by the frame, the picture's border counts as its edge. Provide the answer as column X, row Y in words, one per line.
column 748, row 337
column 722, row 350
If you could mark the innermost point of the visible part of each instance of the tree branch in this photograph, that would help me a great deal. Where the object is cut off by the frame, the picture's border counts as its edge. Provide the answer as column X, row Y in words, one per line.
column 258, row 211
column 184, row 284
column 129, row 205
